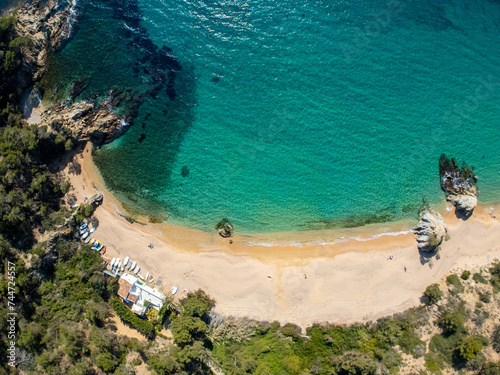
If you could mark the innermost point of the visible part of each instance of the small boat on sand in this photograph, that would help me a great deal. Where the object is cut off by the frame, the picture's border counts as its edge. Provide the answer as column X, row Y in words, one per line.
column 125, row 262
column 133, row 265
column 137, row 269
column 174, row 289
column 113, row 261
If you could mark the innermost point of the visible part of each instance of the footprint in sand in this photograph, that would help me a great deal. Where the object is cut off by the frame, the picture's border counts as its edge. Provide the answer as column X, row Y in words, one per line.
column 189, row 275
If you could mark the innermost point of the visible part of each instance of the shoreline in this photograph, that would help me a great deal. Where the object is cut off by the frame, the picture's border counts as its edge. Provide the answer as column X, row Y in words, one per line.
column 347, row 281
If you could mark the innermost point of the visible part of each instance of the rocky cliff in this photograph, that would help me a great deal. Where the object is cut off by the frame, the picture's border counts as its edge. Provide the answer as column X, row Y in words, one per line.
column 459, row 184
column 46, row 24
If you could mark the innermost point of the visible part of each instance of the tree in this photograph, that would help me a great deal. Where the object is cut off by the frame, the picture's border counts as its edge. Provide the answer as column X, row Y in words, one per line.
column 433, row 293
column 470, row 346
column 354, row 363
column 189, row 353
column 163, row 364
column 187, row 329
column 451, row 321
column 198, row 304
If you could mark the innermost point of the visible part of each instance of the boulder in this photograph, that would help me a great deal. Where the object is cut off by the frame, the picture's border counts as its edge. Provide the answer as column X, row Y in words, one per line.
column 430, row 231
column 464, row 204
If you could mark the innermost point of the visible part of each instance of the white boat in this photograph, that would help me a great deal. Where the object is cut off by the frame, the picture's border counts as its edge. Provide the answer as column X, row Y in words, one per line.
column 125, row 262
column 113, row 261
column 133, row 265
column 174, row 289
column 83, row 231
column 86, row 240
column 92, row 230
column 147, row 276
column 151, row 279
column 85, row 235
column 118, row 265
column 83, row 226
column 137, row 269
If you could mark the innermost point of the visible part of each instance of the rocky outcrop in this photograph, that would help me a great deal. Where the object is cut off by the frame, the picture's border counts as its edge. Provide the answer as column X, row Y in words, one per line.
column 85, row 121
column 46, row 25
column 225, row 228
column 430, row 231
column 459, row 184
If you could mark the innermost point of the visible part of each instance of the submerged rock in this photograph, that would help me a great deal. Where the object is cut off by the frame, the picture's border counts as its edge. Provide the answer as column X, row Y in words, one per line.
column 430, row 231
column 459, row 184
column 225, row 228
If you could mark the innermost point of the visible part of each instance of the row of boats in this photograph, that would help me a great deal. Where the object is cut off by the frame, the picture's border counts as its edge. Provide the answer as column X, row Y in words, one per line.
column 116, row 265
column 85, row 232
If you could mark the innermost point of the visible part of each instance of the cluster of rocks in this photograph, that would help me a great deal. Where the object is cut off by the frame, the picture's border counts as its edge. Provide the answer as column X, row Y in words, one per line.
column 85, row 121
column 459, row 184
column 225, row 228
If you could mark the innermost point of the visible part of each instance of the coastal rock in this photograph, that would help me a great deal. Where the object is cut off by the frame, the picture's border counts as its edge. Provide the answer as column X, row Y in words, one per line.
column 46, row 24
column 430, row 231
column 464, row 204
column 85, row 121
column 459, row 184
column 225, row 228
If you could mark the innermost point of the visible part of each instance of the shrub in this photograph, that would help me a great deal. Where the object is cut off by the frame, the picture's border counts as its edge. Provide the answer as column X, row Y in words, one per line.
column 478, row 278
column 491, row 368
column 142, row 325
column 451, row 321
column 469, row 346
column 465, row 275
column 10, row 61
column 496, row 339
column 433, row 293
column 354, row 363
column 454, row 281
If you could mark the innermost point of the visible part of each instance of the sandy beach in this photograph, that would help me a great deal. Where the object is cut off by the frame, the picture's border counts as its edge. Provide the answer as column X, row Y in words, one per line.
column 300, row 279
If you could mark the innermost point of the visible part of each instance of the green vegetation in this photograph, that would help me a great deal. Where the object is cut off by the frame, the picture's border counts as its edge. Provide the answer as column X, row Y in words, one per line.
column 465, row 275
column 478, row 278
column 454, row 281
column 433, row 293
column 142, row 325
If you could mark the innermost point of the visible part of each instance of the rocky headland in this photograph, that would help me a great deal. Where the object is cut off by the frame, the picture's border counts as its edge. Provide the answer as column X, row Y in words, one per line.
column 459, row 184
column 47, row 26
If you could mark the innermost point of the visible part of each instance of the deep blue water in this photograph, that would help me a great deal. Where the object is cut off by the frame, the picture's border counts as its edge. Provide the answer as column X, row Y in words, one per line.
column 291, row 115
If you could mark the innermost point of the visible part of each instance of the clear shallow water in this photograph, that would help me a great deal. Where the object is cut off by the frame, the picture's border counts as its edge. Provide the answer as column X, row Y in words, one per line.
column 294, row 116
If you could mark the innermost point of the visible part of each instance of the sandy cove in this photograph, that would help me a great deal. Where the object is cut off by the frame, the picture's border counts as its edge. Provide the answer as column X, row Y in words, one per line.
column 348, row 281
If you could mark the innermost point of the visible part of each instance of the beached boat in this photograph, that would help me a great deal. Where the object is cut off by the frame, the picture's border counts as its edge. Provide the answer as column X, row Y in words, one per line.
column 113, row 261
column 86, row 240
column 118, row 265
column 125, row 262
column 174, row 289
column 133, row 265
column 103, row 250
column 92, row 230
column 151, row 279
column 137, row 269
column 83, row 226
column 147, row 276
column 85, row 235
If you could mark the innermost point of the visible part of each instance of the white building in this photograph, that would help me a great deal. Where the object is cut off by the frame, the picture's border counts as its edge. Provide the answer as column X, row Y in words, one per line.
column 134, row 292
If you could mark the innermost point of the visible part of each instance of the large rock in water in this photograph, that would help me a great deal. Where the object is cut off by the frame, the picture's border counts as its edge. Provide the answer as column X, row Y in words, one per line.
column 225, row 228
column 459, row 184
column 430, row 231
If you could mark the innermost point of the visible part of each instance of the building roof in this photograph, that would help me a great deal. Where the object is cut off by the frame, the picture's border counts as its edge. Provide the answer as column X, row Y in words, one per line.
column 138, row 293
column 124, row 288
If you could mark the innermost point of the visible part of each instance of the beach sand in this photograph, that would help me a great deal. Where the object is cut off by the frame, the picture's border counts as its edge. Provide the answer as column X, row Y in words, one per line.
column 301, row 281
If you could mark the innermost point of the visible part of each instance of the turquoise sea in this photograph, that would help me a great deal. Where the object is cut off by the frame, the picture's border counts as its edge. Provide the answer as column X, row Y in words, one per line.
column 286, row 116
